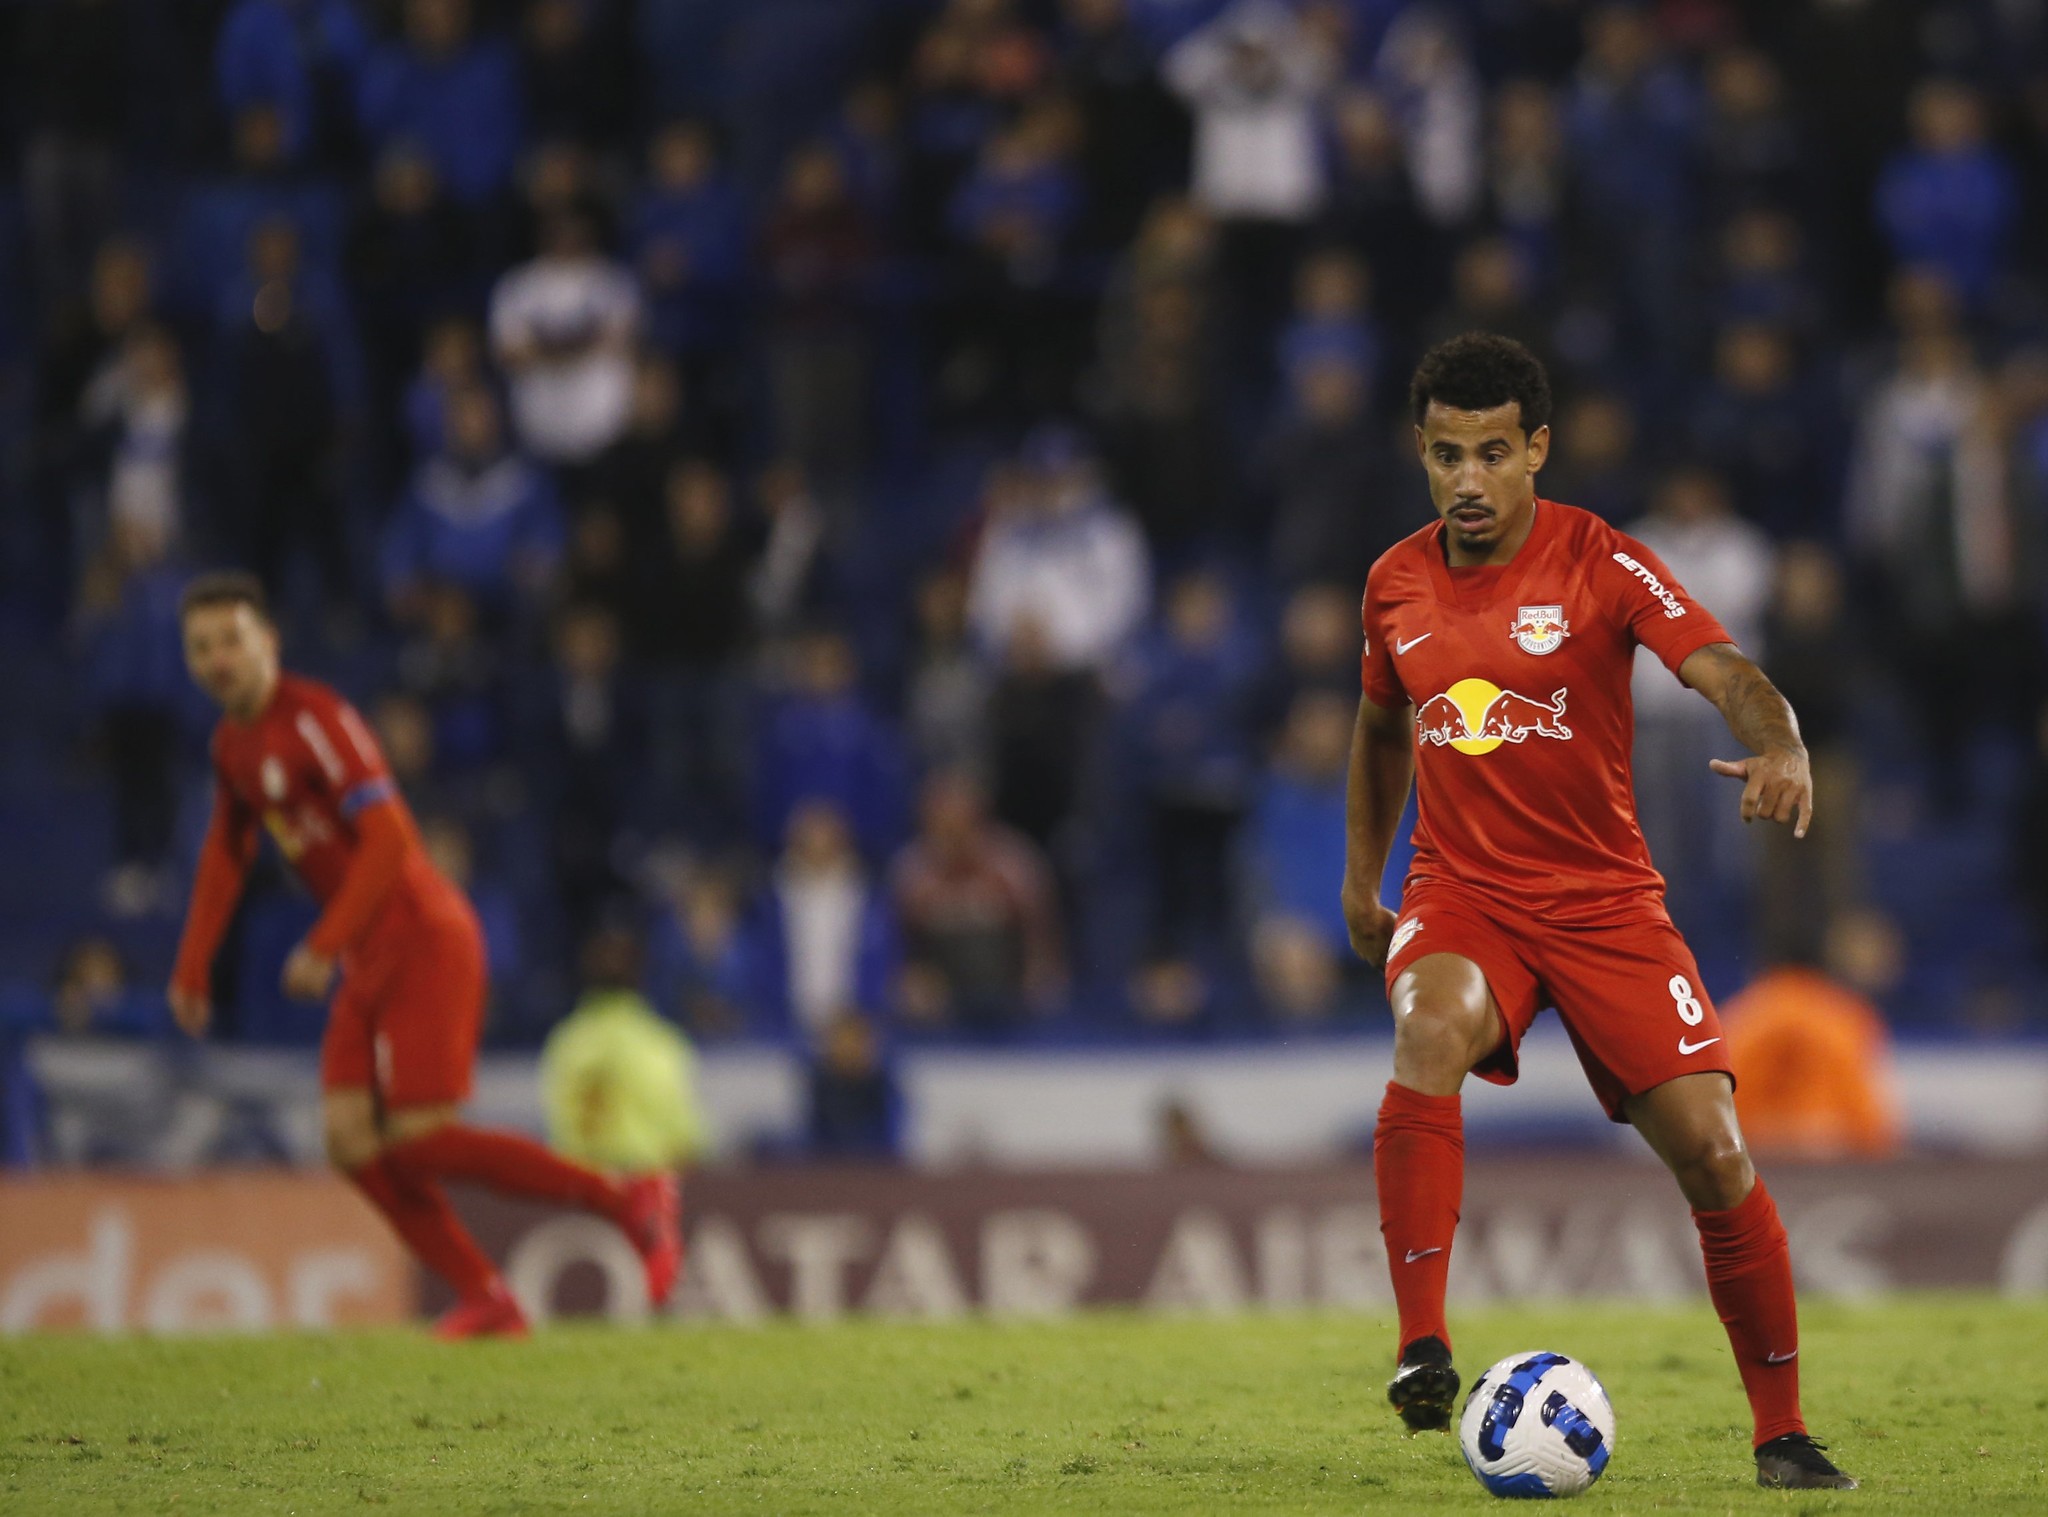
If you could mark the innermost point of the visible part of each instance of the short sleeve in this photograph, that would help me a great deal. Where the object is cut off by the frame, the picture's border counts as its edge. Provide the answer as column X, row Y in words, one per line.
column 1646, row 597
column 1376, row 677
column 346, row 756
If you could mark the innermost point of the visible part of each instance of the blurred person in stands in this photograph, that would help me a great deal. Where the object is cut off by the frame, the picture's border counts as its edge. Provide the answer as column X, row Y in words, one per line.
column 630, row 482
column 398, row 1058
column 822, row 739
column 1059, row 550
column 1425, row 70
column 1332, row 321
column 792, row 582
column 947, row 701
column 823, row 936
column 1018, row 329
column 1596, row 464
column 855, row 1106
column 460, row 675
column 1493, row 289
column 1527, row 177
column 579, row 76
column 1294, row 860
column 1042, row 725
column 1157, row 389
column 127, row 626
column 697, row 956
column 689, row 625
column 83, row 340
column 287, row 350
column 1728, row 564
column 1632, row 125
column 618, row 1082
column 1255, row 78
column 1318, row 648
column 946, row 704
column 451, row 360
column 95, row 996
column 817, row 259
column 452, row 847
column 1771, row 430
column 1927, row 509
column 1753, row 150
column 1811, row 1052
column 477, row 515
column 453, row 91
column 1820, row 665
column 410, row 257
column 586, row 744
column 1187, row 727
column 979, row 917
column 1135, row 134
column 1373, row 208
column 687, row 235
column 1327, row 466
column 1949, row 200
column 299, row 58
column 77, row 97
column 563, row 326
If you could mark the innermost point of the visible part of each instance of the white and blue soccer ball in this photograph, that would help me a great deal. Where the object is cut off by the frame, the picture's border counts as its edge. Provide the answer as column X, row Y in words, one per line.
column 1537, row 1424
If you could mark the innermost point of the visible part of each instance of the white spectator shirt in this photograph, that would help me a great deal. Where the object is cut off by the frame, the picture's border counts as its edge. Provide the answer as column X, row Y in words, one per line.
column 569, row 406
column 1258, row 154
column 1084, row 577
column 1727, row 567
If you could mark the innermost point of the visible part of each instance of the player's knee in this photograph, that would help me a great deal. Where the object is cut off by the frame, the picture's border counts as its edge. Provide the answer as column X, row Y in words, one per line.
column 1442, row 1031
column 351, row 1141
column 1714, row 1171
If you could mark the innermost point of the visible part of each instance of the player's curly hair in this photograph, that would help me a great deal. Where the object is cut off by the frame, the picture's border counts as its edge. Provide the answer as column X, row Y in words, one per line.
column 1478, row 371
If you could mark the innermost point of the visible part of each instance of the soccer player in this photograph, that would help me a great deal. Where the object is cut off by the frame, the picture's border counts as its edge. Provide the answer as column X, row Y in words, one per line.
column 395, row 1065
column 1499, row 645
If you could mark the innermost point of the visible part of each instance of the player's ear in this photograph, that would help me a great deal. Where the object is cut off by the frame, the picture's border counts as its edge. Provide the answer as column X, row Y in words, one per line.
column 1539, row 448
column 1421, row 447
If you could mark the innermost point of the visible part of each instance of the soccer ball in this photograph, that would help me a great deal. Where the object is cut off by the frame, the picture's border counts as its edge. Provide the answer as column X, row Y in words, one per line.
column 1537, row 1424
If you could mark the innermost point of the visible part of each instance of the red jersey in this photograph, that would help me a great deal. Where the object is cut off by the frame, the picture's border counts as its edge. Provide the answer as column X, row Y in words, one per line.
column 306, row 769
column 1519, row 674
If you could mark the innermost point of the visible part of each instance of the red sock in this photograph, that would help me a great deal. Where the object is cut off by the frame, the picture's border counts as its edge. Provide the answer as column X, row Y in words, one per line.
column 1418, row 1164
column 1749, row 1275
column 419, row 1213
column 507, row 1162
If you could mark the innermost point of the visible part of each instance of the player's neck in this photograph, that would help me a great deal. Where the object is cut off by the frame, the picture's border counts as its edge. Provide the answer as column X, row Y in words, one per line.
column 246, row 714
column 1501, row 551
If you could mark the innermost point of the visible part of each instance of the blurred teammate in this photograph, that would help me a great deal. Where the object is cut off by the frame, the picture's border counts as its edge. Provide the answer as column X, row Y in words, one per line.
column 291, row 756
column 1499, row 646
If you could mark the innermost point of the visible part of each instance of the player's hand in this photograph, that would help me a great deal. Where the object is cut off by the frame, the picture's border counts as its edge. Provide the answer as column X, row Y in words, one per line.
column 192, row 1010
column 1777, row 786
column 307, row 974
column 1371, row 924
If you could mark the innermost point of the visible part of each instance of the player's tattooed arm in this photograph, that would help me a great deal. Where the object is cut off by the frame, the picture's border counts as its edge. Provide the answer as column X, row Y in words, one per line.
column 1382, row 766
column 1777, row 780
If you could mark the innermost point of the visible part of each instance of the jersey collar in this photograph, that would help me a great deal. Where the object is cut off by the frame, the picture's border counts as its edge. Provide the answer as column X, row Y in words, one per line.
column 1491, row 583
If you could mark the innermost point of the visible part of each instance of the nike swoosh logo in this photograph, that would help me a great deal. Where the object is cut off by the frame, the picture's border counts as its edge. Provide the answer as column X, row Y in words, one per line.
column 1421, row 1253
column 1401, row 647
column 1685, row 1047
column 1781, row 1358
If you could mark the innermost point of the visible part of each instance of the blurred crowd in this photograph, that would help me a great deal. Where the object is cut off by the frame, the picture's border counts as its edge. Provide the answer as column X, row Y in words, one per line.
column 871, row 496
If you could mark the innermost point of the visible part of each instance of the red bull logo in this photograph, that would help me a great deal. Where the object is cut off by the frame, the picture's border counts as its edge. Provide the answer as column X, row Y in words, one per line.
column 1539, row 629
column 1476, row 716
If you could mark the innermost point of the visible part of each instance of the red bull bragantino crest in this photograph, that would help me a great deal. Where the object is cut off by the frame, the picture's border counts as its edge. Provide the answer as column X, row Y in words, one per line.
column 1476, row 716
column 1539, row 629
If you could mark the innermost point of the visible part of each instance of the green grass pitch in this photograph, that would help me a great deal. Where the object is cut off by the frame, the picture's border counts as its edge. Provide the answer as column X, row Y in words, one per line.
column 1940, row 1403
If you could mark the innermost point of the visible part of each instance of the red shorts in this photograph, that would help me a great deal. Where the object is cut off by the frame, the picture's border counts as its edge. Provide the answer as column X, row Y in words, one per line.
column 1629, row 995
column 406, row 1020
